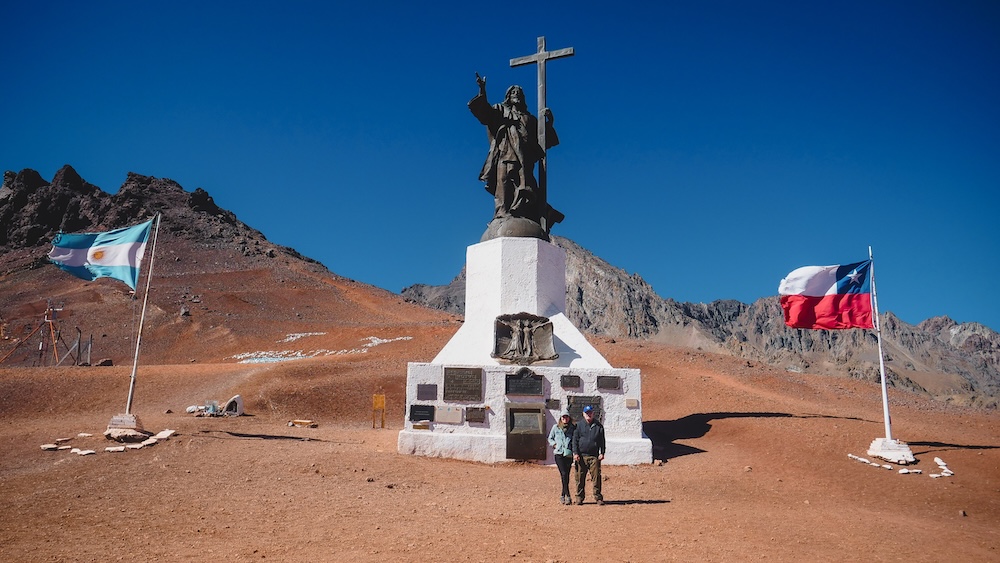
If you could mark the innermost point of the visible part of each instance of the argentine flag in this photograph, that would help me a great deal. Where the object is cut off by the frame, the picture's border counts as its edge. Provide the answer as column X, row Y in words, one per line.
column 114, row 254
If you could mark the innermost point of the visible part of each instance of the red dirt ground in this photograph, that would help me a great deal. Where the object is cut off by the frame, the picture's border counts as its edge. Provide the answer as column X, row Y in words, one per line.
column 755, row 468
column 752, row 461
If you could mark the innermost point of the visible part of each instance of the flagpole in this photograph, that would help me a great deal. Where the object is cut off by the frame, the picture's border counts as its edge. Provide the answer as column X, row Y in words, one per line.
column 881, row 356
column 142, row 318
column 885, row 448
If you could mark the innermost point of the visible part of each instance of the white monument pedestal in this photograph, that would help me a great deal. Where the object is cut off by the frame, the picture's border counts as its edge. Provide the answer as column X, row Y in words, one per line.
column 466, row 404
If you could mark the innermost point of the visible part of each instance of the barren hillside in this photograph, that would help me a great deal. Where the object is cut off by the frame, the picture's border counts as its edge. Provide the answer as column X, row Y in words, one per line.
column 750, row 460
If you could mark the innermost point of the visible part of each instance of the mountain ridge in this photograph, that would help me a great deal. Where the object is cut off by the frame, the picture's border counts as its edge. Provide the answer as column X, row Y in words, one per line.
column 209, row 246
column 938, row 357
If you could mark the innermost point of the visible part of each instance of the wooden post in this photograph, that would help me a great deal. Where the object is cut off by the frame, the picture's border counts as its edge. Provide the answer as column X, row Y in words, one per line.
column 378, row 406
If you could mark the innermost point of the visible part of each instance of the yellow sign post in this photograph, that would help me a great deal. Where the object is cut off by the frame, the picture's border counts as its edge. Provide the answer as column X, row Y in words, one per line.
column 378, row 406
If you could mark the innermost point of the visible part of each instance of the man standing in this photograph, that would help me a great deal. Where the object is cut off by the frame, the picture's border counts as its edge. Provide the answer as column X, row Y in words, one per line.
column 588, row 452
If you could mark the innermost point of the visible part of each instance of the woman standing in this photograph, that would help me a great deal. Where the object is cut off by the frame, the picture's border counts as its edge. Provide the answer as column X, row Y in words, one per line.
column 560, row 438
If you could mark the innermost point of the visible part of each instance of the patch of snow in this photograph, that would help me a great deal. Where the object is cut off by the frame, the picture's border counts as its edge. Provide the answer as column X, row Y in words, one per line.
column 271, row 356
column 297, row 335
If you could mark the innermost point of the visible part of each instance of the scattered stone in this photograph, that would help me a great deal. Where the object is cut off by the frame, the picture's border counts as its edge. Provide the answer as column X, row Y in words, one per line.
column 962, row 513
column 884, row 466
column 947, row 472
column 125, row 435
column 164, row 434
column 168, row 411
column 61, row 440
column 75, row 451
column 85, row 452
column 65, row 447
column 50, row 447
column 149, row 442
column 748, row 469
column 84, row 435
column 104, row 362
column 935, row 475
column 114, row 449
column 134, row 446
column 939, row 461
column 302, row 423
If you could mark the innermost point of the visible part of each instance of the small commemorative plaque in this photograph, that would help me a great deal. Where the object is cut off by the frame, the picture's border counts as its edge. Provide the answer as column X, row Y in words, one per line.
column 475, row 414
column 449, row 415
column 570, row 381
column 609, row 382
column 427, row 391
column 524, row 382
column 421, row 412
column 463, row 384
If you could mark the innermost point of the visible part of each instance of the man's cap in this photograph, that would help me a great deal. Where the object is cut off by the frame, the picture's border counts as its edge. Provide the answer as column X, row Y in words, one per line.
column 588, row 408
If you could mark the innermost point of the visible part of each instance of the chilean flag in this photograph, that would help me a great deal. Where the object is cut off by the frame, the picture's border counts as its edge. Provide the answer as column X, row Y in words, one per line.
column 828, row 297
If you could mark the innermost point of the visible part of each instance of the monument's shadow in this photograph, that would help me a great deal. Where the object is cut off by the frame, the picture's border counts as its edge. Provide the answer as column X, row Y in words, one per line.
column 663, row 433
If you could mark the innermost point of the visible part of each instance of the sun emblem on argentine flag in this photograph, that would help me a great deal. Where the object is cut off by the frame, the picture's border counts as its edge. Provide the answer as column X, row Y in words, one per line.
column 96, row 255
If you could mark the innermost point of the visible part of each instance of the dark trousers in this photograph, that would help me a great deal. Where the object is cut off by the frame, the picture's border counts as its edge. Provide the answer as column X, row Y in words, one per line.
column 588, row 464
column 565, row 465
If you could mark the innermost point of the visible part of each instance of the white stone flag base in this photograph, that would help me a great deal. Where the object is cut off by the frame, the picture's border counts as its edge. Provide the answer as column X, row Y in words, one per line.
column 891, row 450
column 125, row 428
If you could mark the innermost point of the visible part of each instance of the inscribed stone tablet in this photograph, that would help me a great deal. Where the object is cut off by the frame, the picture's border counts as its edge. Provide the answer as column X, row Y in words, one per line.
column 448, row 415
column 575, row 404
column 525, row 422
column 421, row 412
column 631, row 403
column 463, row 384
column 427, row 391
column 609, row 382
column 475, row 414
column 552, row 404
column 570, row 381
column 524, row 382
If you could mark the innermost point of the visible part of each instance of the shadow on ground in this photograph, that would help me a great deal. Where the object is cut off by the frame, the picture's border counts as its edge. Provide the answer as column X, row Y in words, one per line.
column 663, row 433
column 941, row 447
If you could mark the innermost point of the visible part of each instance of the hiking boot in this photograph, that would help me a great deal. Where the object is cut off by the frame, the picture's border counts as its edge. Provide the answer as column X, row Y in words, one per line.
column 600, row 502
column 579, row 501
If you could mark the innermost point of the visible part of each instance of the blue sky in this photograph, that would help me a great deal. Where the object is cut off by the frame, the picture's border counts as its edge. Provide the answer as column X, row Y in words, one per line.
column 711, row 147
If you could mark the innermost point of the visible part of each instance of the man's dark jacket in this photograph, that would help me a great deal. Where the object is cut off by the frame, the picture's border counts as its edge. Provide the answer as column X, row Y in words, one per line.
column 588, row 438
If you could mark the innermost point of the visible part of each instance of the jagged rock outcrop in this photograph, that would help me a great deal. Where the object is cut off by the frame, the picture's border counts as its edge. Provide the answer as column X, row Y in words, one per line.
column 219, row 287
column 32, row 211
column 938, row 357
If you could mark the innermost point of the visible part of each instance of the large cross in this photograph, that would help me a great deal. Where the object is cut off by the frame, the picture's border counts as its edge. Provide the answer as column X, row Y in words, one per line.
column 539, row 58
